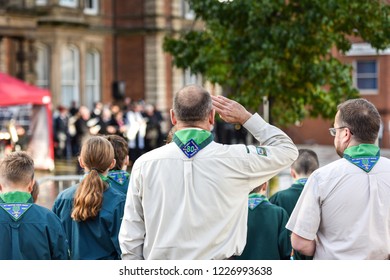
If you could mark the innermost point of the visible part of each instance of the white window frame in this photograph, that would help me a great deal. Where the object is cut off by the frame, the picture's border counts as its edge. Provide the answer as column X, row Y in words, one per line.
column 190, row 78
column 40, row 2
column 70, row 75
column 94, row 10
column 187, row 12
column 92, row 79
column 69, row 3
column 42, row 66
column 375, row 75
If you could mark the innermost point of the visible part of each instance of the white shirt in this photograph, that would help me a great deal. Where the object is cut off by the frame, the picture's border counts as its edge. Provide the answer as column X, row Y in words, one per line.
column 196, row 208
column 346, row 210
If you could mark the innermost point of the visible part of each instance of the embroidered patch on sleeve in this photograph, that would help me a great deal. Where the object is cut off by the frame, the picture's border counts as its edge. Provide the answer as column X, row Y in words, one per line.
column 261, row 151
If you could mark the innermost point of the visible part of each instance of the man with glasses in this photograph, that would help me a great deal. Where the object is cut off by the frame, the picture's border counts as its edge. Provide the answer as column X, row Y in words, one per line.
column 344, row 209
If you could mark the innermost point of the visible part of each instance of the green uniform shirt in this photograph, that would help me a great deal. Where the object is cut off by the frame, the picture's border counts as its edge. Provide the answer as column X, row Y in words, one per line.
column 287, row 200
column 267, row 237
column 288, row 197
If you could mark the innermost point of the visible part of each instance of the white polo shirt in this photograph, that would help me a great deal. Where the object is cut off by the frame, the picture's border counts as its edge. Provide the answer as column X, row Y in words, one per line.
column 346, row 210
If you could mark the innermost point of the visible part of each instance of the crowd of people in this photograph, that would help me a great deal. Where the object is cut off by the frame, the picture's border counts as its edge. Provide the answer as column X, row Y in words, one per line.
column 139, row 123
column 194, row 198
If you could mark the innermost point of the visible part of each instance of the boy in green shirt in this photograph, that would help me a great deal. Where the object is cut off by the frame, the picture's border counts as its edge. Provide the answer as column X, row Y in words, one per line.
column 267, row 236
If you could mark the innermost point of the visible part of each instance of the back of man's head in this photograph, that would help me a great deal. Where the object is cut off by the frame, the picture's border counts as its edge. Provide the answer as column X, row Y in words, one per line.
column 192, row 104
column 16, row 168
column 306, row 162
column 362, row 118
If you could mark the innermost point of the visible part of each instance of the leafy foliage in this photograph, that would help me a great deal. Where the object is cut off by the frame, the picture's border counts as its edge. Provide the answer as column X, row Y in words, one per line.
column 280, row 49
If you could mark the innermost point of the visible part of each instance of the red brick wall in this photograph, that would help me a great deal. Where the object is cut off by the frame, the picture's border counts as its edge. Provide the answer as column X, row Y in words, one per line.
column 131, row 64
column 311, row 131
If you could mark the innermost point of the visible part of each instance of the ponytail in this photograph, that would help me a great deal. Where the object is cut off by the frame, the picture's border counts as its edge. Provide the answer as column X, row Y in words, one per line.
column 88, row 198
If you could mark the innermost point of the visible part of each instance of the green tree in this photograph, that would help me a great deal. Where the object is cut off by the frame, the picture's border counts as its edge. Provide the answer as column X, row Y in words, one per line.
column 280, row 49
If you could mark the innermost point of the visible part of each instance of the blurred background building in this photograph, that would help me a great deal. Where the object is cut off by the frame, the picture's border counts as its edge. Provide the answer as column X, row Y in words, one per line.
column 86, row 51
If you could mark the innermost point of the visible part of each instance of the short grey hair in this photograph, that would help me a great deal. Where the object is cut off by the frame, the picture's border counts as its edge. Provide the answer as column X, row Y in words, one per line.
column 192, row 104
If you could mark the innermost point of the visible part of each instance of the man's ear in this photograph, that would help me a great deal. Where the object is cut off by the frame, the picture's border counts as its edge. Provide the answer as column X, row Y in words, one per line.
column 173, row 117
column 347, row 134
column 212, row 117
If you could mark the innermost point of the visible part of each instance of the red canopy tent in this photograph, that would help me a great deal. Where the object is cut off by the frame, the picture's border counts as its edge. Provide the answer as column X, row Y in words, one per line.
column 40, row 146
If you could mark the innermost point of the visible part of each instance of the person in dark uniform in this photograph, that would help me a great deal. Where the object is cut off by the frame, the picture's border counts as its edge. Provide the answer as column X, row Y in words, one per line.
column 91, row 211
column 118, row 177
column 27, row 231
column 267, row 236
column 300, row 171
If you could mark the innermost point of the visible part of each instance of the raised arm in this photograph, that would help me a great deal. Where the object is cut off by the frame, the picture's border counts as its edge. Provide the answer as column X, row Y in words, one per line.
column 230, row 110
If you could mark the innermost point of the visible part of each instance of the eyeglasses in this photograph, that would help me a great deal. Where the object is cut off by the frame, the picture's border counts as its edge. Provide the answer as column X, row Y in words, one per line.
column 332, row 130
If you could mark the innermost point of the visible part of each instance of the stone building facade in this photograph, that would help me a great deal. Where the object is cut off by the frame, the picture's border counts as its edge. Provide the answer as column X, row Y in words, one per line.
column 84, row 51
column 89, row 50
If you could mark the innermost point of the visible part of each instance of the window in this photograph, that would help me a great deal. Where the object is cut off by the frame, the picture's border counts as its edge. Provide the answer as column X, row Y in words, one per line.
column 91, row 7
column 366, row 76
column 40, row 2
column 68, row 3
column 92, row 82
column 189, row 78
column 70, row 71
column 42, row 66
column 188, row 13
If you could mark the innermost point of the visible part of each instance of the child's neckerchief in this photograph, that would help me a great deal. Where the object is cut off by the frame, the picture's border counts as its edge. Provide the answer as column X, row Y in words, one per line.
column 364, row 156
column 119, row 176
column 301, row 181
column 255, row 200
column 191, row 141
column 104, row 178
column 16, row 203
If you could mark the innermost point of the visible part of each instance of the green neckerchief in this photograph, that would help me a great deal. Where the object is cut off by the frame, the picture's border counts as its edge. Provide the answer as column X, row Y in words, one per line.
column 301, row 181
column 16, row 197
column 119, row 176
column 364, row 156
column 255, row 199
column 191, row 141
column 104, row 178
column 16, row 203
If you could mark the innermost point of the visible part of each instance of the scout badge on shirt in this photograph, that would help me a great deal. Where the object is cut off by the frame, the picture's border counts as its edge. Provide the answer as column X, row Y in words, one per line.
column 365, row 163
column 261, row 151
column 255, row 200
column 119, row 176
column 16, row 210
column 192, row 141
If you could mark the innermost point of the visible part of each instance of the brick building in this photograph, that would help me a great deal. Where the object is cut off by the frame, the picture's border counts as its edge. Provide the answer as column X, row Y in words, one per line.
column 371, row 76
column 90, row 50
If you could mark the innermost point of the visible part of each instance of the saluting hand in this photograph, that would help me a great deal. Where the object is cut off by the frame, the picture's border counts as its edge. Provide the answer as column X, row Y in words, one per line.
column 230, row 111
